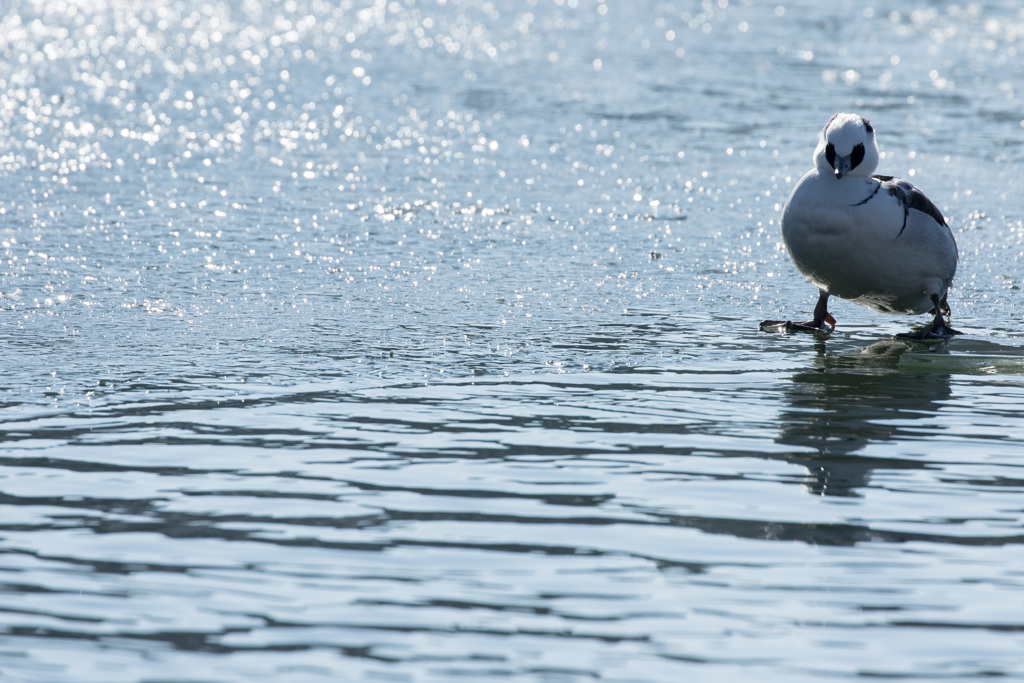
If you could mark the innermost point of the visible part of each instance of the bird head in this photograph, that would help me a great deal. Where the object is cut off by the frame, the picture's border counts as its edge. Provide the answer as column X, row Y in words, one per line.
column 847, row 147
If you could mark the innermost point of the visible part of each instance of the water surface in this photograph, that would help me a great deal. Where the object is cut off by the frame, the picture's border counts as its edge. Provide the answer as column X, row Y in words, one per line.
column 417, row 341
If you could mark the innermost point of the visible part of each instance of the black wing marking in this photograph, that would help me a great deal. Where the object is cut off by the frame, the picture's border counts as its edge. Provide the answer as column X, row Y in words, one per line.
column 870, row 196
column 909, row 197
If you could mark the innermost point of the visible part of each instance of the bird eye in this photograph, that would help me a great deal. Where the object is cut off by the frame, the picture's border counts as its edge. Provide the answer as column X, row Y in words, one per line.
column 830, row 154
column 857, row 156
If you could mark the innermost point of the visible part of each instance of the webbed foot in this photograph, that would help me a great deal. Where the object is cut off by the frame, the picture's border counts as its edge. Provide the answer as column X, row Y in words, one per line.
column 822, row 321
column 827, row 325
column 939, row 329
column 937, row 332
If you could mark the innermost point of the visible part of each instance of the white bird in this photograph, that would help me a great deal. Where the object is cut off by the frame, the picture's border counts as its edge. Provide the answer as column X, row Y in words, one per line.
column 872, row 239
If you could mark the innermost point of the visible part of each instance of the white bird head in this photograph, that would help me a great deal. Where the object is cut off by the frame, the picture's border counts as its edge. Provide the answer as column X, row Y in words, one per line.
column 847, row 147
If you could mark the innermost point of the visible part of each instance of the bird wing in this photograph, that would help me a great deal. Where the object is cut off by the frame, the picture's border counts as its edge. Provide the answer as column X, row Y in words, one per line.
column 910, row 198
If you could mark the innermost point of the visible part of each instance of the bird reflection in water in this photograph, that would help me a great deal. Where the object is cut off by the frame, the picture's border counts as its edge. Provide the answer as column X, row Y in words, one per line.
column 847, row 404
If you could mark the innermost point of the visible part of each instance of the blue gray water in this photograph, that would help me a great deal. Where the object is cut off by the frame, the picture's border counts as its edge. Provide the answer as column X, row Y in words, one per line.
column 417, row 341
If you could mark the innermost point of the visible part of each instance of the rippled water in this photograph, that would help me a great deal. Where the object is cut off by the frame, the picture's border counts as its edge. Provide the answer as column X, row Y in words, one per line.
column 417, row 341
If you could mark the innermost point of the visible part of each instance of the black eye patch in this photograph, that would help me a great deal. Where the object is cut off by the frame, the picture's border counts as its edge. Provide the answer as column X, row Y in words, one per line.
column 857, row 156
column 830, row 154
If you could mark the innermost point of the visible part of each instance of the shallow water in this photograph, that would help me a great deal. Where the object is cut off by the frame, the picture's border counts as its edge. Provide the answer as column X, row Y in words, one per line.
column 418, row 342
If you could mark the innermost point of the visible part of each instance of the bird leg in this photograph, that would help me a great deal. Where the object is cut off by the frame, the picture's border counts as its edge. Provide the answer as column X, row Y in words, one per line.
column 822, row 322
column 939, row 330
